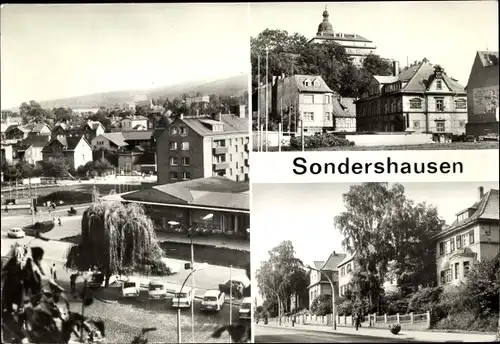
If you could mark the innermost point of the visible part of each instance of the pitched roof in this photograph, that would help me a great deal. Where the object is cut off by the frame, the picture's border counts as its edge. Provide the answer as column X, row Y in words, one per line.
column 298, row 81
column 139, row 126
column 351, row 37
column 341, row 110
column 69, row 143
column 318, row 264
column 350, row 106
column 216, row 192
column 346, row 260
column 93, row 124
column 17, row 126
column 117, row 138
column 62, row 125
column 137, row 135
column 488, row 58
column 38, row 127
column 36, row 141
column 487, row 208
column 231, row 124
column 385, row 79
column 333, row 261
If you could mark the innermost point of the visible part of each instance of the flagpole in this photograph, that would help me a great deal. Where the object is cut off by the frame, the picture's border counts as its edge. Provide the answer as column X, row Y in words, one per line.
column 258, row 106
column 267, row 96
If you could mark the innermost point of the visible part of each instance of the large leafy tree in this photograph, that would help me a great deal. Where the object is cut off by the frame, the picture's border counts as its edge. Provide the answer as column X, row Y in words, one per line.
column 113, row 243
column 56, row 168
column 390, row 236
column 62, row 114
column 33, row 112
column 372, row 65
column 483, row 285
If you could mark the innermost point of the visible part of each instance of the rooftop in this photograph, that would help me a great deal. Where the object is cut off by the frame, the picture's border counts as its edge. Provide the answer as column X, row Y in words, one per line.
column 117, row 138
column 488, row 58
column 316, row 84
column 333, row 261
column 232, row 124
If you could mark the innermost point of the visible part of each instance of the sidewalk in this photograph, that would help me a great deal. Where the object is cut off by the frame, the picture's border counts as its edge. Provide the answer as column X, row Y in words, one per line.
column 235, row 244
column 426, row 336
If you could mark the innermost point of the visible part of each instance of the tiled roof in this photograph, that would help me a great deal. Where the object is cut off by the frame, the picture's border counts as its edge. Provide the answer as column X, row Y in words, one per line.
column 355, row 37
column 318, row 264
column 63, row 126
column 333, row 261
column 37, row 141
column 69, row 143
column 93, row 124
column 117, row 138
column 298, row 81
column 350, row 106
column 340, row 110
column 488, row 58
column 486, row 209
column 137, row 135
column 38, row 128
column 16, row 126
column 231, row 124
column 216, row 192
column 385, row 79
column 346, row 260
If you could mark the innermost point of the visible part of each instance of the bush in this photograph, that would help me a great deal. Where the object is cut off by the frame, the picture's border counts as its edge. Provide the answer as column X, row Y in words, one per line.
column 319, row 140
column 424, row 299
column 68, row 197
column 344, row 307
column 40, row 227
column 395, row 303
column 395, row 328
column 322, row 305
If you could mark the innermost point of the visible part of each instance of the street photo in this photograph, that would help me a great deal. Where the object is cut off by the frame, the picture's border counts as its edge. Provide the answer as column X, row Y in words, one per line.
column 125, row 203
column 376, row 262
column 336, row 77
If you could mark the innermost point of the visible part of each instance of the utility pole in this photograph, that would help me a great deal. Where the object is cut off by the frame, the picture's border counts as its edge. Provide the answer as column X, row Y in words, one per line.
column 267, row 97
column 230, row 298
column 32, row 205
column 258, row 105
column 302, row 132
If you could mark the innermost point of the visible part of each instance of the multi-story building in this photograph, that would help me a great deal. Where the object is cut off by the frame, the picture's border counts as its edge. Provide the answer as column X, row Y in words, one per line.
column 30, row 149
column 318, row 282
column 193, row 147
column 420, row 99
column 15, row 133
column 472, row 237
column 37, row 129
column 134, row 123
column 356, row 46
column 109, row 141
column 76, row 150
column 482, row 94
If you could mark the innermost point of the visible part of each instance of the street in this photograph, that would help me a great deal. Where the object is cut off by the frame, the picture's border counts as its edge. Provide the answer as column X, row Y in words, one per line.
column 271, row 334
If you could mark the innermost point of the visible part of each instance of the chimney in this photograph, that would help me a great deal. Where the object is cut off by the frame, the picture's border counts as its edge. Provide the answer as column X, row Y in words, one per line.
column 395, row 68
column 218, row 117
column 481, row 192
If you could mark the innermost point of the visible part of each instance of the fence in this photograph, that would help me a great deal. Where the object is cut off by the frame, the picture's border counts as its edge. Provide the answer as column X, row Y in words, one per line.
column 409, row 321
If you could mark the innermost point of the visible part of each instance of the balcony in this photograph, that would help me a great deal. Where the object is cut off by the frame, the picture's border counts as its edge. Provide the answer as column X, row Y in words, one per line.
column 221, row 166
column 220, row 150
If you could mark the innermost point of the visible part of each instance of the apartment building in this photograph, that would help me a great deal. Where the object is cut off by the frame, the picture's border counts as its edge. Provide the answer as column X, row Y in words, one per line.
column 472, row 237
column 193, row 147
column 319, row 283
column 421, row 98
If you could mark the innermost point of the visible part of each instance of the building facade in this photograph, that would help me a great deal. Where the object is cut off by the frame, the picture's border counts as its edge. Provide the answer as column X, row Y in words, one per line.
column 134, row 123
column 420, row 99
column 473, row 236
column 30, row 149
column 109, row 141
column 203, row 146
column 77, row 150
column 356, row 46
column 482, row 94
column 319, row 283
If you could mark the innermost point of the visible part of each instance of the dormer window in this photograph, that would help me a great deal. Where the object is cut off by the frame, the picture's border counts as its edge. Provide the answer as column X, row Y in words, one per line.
column 307, row 83
column 439, row 85
column 315, row 83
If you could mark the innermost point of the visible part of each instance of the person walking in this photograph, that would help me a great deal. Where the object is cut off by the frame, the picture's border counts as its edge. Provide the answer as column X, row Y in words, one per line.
column 53, row 272
column 59, row 221
column 357, row 319
column 72, row 282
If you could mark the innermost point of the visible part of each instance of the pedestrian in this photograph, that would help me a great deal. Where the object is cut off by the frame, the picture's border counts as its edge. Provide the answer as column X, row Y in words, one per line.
column 53, row 273
column 72, row 281
column 357, row 320
column 59, row 221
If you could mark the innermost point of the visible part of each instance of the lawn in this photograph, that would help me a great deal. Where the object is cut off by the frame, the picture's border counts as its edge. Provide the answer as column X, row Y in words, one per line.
column 212, row 255
column 428, row 146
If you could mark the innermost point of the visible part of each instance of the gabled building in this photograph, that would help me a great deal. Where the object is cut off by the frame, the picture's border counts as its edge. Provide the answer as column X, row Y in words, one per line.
column 61, row 130
column 356, row 46
column 77, row 150
column 319, row 284
column 420, row 99
column 472, row 237
column 15, row 133
column 134, row 123
column 90, row 130
column 30, row 149
column 37, row 129
column 203, row 146
column 482, row 94
column 110, row 141
column 138, row 138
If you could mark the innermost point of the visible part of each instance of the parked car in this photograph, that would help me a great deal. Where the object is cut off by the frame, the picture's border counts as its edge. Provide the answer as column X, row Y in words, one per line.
column 245, row 312
column 237, row 288
column 98, row 280
column 131, row 288
column 157, row 290
column 213, row 301
column 16, row 233
column 183, row 299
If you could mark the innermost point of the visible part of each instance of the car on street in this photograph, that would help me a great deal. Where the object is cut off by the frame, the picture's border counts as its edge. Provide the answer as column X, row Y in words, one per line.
column 183, row 299
column 131, row 289
column 213, row 300
column 98, row 280
column 235, row 291
column 157, row 290
column 16, row 233
column 245, row 312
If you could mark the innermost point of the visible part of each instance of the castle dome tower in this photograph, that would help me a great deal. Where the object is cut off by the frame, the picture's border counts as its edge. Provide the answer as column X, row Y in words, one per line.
column 325, row 28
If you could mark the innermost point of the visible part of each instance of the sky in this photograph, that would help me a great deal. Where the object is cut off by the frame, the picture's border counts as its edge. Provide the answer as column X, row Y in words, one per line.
column 58, row 51
column 303, row 214
column 446, row 33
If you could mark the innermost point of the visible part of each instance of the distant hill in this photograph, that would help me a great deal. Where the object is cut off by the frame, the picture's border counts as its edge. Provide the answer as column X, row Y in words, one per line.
column 236, row 86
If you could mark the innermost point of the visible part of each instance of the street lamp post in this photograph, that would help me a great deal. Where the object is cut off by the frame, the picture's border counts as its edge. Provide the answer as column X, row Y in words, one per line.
column 334, row 320
column 189, row 232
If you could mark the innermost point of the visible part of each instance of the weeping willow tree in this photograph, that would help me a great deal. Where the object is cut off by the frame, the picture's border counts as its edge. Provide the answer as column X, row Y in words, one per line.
column 116, row 238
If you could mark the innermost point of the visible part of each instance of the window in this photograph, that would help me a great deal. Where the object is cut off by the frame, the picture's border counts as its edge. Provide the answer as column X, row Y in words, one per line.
column 457, row 267
column 174, row 175
column 328, row 116
column 441, row 248
column 460, row 104
column 173, row 145
column 452, row 244
column 342, row 271
column 186, row 175
column 399, row 107
column 386, row 107
column 439, row 85
column 184, row 131
column 174, row 161
column 174, row 130
column 448, row 276
column 185, row 161
column 308, row 116
column 442, row 277
column 465, row 239
column 236, row 149
column 219, row 159
column 459, row 241
column 415, row 103
column 471, row 237
column 466, row 268
column 307, row 99
column 439, row 104
column 220, row 143
column 185, row 146
column 349, row 268
column 327, row 99
column 440, row 126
